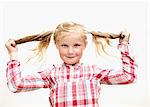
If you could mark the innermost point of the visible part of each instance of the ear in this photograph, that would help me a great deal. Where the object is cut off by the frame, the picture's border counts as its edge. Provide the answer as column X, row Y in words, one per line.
column 85, row 44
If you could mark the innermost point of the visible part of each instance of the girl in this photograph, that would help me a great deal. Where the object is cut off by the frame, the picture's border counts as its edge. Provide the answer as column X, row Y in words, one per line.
column 72, row 83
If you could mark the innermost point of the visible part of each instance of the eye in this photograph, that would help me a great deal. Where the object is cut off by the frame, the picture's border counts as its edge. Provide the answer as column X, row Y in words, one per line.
column 77, row 45
column 64, row 45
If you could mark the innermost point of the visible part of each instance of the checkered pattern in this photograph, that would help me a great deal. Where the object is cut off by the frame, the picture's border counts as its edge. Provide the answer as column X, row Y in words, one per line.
column 77, row 85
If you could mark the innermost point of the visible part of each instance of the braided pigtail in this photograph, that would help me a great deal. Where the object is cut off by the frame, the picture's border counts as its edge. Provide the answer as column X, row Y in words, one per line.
column 102, row 41
column 42, row 38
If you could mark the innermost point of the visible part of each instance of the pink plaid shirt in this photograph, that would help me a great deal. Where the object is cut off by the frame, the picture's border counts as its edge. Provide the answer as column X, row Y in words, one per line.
column 69, row 85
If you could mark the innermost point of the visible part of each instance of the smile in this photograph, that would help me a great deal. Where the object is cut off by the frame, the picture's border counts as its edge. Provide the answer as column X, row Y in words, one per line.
column 70, row 57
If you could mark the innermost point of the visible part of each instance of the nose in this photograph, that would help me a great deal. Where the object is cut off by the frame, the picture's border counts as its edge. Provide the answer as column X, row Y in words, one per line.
column 70, row 50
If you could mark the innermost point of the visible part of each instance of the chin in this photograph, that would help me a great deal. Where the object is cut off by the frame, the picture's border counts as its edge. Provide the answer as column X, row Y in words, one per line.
column 71, row 63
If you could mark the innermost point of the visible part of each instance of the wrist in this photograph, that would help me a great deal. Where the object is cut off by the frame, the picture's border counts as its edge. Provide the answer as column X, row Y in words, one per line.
column 124, row 42
column 13, row 56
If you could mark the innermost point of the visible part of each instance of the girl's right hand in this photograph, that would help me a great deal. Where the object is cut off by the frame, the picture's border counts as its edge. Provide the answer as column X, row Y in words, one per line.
column 12, row 49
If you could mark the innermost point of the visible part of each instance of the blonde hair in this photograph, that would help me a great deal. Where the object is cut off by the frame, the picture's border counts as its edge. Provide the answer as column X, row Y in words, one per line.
column 101, row 40
column 69, row 27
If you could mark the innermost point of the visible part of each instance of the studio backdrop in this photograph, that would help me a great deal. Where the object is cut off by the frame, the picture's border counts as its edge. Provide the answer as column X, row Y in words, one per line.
column 18, row 19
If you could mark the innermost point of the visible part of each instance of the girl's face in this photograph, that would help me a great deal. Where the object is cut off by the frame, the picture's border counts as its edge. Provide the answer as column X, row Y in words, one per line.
column 71, row 47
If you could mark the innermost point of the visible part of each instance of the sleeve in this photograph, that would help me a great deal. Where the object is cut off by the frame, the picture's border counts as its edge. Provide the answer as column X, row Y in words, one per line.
column 127, row 73
column 16, row 83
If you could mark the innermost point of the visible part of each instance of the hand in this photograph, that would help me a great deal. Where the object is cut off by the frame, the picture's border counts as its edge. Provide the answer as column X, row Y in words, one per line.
column 12, row 48
column 124, row 37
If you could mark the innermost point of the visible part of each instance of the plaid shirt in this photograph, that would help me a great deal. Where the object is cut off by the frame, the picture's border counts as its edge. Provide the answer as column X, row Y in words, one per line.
column 69, row 85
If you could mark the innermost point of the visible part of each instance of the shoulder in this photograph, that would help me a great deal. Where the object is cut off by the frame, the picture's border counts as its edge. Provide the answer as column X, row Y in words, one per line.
column 89, row 66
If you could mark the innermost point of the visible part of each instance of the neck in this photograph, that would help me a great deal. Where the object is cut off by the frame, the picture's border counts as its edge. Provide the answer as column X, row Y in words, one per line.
column 72, row 64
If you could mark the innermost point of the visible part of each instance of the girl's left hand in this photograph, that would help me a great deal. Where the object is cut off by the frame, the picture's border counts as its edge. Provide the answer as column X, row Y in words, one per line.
column 124, row 37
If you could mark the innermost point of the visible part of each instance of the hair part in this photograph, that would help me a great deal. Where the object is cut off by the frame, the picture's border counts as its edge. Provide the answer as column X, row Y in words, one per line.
column 69, row 27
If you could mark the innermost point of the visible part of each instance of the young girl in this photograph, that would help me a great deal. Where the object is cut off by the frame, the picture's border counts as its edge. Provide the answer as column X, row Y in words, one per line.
column 72, row 83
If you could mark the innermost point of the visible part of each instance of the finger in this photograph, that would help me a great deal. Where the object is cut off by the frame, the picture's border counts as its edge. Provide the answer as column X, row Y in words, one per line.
column 13, row 44
column 10, row 42
column 124, row 34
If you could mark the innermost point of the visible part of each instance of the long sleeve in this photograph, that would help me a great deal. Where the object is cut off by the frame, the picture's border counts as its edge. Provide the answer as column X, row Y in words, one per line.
column 126, row 75
column 16, row 83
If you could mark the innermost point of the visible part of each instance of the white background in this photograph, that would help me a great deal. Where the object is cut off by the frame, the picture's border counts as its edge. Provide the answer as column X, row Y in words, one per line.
column 24, row 18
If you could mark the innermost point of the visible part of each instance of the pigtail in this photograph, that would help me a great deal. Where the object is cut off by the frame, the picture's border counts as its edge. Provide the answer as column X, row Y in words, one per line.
column 102, row 40
column 38, row 37
column 42, row 38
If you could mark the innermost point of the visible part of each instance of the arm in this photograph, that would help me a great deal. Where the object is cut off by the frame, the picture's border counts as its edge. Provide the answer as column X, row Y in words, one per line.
column 15, row 81
column 124, row 76
column 127, row 74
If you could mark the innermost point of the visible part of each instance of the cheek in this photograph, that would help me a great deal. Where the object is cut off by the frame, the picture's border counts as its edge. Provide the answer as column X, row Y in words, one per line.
column 79, row 52
column 61, row 52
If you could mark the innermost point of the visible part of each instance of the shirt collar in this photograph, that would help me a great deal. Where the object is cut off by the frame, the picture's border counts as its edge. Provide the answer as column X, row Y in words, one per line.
column 78, row 65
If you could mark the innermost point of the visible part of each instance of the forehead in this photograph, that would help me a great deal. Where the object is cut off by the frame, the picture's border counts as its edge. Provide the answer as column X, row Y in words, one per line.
column 72, row 37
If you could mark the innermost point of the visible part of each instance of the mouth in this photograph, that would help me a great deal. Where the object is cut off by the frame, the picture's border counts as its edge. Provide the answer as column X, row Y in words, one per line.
column 70, row 57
